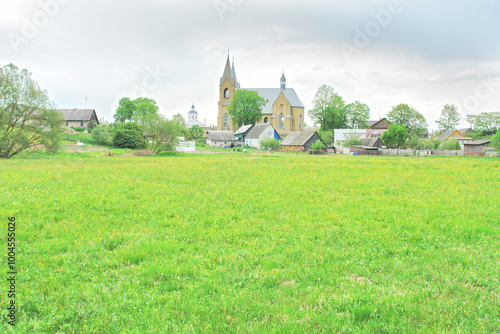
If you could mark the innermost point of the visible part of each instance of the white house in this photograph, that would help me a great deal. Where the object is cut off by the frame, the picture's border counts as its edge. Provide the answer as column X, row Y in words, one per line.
column 260, row 132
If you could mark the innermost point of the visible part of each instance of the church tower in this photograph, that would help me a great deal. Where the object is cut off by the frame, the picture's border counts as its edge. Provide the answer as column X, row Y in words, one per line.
column 227, row 87
column 283, row 81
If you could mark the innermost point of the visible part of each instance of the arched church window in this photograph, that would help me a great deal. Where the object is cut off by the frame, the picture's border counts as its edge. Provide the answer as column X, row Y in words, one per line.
column 300, row 122
column 266, row 120
column 226, row 121
column 282, row 121
column 226, row 93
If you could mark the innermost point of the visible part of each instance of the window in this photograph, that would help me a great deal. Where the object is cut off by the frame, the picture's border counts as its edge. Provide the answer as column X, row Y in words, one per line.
column 300, row 122
column 81, row 123
column 266, row 120
column 226, row 93
column 66, row 123
column 226, row 121
column 282, row 121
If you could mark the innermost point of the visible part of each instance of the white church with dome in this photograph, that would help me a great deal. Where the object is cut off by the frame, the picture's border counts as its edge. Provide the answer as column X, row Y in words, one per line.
column 193, row 119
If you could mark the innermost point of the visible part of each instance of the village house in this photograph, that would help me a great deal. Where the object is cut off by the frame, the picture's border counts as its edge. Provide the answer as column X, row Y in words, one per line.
column 221, row 138
column 260, row 132
column 78, row 118
column 300, row 141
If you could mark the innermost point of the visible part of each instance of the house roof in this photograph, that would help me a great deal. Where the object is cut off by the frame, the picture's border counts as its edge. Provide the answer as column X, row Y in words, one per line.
column 341, row 134
column 372, row 123
column 220, row 136
column 297, row 138
column 478, row 142
column 258, row 129
column 370, row 142
column 272, row 94
column 244, row 129
column 77, row 114
column 465, row 130
column 446, row 134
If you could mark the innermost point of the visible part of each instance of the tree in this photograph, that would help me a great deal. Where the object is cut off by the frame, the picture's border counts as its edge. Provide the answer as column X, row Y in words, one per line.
column 327, row 136
column 450, row 117
column 408, row 117
column 450, row 144
column 179, row 120
column 488, row 121
column 161, row 132
column 28, row 118
column 318, row 146
column 246, row 107
column 125, row 110
column 329, row 111
column 129, row 135
column 395, row 137
column 195, row 132
column 128, row 110
column 357, row 115
column 471, row 119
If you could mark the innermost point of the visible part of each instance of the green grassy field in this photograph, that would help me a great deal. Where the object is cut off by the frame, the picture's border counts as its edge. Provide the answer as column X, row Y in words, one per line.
column 253, row 244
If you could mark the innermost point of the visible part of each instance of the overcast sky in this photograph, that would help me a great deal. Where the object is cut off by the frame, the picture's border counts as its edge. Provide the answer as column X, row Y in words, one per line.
column 382, row 53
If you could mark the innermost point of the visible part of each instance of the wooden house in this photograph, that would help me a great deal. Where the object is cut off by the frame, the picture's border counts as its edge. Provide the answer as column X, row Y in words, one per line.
column 300, row 141
column 451, row 134
column 80, row 118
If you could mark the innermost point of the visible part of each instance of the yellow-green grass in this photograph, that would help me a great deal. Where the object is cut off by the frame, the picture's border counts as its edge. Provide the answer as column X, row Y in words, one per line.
column 253, row 244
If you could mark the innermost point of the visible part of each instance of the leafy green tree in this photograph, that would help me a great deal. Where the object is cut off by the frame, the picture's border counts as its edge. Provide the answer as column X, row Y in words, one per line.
column 436, row 144
column 195, row 132
column 161, row 132
column 357, row 115
column 28, row 118
column 471, row 119
column 488, row 121
column 408, row 117
column 329, row 110
column 129, row 135
column 179, row 120
column 450, row 118
column 129, row 110
column 395, row 137
column 246, row 107
column 270, row 143
column 125, row 110
column 327, row 136
column 318, row 146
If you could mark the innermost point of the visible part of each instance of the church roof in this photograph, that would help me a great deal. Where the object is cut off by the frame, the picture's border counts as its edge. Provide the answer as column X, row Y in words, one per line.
column 230, row 74
column 193, row 122
column 272, row 94
column 192, row 111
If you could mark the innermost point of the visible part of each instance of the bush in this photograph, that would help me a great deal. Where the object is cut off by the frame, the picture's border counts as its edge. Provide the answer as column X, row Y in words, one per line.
column 495, row 141
column 129, row 135
column 327, row 136
column 271, row 143
column 170, row 154
column 450, row 145
column 436, row 143
column 79, row 129
column 101, row 135
column 318, row 146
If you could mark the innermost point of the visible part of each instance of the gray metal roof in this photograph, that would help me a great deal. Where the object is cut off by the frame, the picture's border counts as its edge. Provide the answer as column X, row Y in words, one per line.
column 243, row 129
column 465, row 130
column 478, row 142
column 297, row 138
column 220, row 136
column 447, row 134
column 77, row 114
column 272, row 94
column 258, row 129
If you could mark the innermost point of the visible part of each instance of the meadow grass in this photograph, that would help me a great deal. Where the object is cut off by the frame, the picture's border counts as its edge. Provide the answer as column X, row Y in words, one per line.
column 253, row 244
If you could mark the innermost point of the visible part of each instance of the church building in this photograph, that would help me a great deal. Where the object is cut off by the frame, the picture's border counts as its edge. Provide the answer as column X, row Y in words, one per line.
column 283, row 109
column 193, row 119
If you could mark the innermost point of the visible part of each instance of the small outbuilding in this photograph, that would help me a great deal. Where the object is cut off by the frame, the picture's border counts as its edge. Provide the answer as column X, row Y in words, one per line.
column 300, row 141
column 476, row 148
column 372, row 142
column 221, row 138
column 259, row 132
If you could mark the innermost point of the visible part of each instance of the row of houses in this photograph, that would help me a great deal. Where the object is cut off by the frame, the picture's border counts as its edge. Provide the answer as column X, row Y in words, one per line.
column 253, row 135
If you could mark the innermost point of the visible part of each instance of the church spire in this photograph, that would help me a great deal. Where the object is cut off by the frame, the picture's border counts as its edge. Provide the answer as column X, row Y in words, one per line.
column 283, row 81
